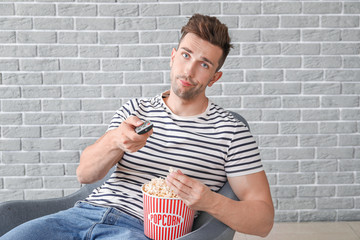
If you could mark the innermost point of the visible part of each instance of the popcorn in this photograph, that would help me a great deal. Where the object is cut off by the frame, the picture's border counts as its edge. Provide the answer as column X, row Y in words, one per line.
column 158, row 187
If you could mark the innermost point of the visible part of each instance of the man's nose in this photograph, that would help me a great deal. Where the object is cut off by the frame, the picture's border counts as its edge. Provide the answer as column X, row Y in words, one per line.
column 190, row 69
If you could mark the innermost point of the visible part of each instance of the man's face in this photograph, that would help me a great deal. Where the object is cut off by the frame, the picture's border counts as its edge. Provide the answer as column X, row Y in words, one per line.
column 193, row 67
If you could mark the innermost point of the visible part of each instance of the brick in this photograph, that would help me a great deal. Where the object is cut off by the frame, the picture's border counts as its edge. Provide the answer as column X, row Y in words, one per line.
column 7, row 37
column 340, row 21
column 41, row 92
column 57, row 51
column 242, row 89
column 39, row 64
column 22, row 78
column 23, row 183
column 299, row 21
column 316, row 191
column 322, row 7
column 260, row 49
column 282, row 88
column 60, row 157
column 342, row 75
column 209, row 8
column 286, row 216
column 17, row 51
column 99, row 51
column 21, row 105
column 300, row 49
column 61, row 182
column 259, row 21
column 21, row 157
column 82, row 118
column 320, row 115
column 348, row 215
column 159, row 9
column 116, row 10
column 351, row 7
column 348, row 190
column 349, row 140
column 95, row 24
column 244, row 35
column 60, row 131
column 335, row 153
column 82, row 37
column 317, row 215
column 339, row 101
column 15, row 23
column 296, row 178
column 300, row 102
column 335, row 178
column 283, row 192
column 143, row 77
column 9, row 92
column 278, row 141
column 280, row 35
column 321, row 35
column 62, row 78
column 100, row 104
column 36, row 37
column 12, row 170
column 340, row 48
column 26, row 9
column 296, row 153
column 349, row 165
column 262, row 102
column 40, row 144
column 282, row 62
column 159, row 37
column 9, row 65
column 70, row 169
column 242, row 63
column 79, row 64
column 119, row 37
column 298, row 128
column 8, row 195
column 77, row 9
column 280, row 115
column 318, row 140
column 350, row 35
column 39, row 194
column 169, row 23
column 155, row 64
column 120, row 65
column 77, row 144
column 10, row 118
column 264, row 75
column 227, row 102
column 154, row 90
column 321, row 88
column 93, row 130
column 338, row 127
column 103, row 78
column 304, row 75
column 45, row 170
column 231, row 76
column 21, row 132
column 351, row 62
column 351, row 88
column 138, row 23
column 81, row 91
column 282, row 8
column 122, row 91
column 235, row 8
column 297, row 203
column 42, row 118
column 7, row 9
column 281, row 166
column 139, row 51
column 318, row 166
column 53, row 23
column 61, row 105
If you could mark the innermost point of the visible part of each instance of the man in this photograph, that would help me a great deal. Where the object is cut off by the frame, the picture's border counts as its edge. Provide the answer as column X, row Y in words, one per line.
column 205, row 142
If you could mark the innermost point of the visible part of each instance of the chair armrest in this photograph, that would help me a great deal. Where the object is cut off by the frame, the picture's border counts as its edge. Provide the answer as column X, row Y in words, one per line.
column 208, row 227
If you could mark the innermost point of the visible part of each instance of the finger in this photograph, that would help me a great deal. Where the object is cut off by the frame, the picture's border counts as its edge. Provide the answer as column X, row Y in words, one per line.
column 134, row 121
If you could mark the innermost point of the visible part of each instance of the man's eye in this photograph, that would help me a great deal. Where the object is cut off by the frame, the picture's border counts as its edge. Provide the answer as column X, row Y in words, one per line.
column 185, row 55
column 204, row 65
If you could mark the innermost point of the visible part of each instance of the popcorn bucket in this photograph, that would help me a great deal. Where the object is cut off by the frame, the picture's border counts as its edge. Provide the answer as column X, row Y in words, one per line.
column 166, row 218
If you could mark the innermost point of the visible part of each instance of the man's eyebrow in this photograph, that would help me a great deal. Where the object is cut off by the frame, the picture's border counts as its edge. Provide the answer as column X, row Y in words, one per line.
column 203, row 58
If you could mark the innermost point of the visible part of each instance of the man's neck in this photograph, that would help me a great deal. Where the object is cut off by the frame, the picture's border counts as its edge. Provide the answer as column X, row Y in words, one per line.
column 182, row 107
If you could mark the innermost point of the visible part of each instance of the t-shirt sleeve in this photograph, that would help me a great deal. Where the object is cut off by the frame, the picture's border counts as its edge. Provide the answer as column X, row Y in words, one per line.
column 121, row 115
column 243, row 155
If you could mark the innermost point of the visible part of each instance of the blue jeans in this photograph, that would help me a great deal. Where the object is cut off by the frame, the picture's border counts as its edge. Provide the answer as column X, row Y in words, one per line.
column 84, row 221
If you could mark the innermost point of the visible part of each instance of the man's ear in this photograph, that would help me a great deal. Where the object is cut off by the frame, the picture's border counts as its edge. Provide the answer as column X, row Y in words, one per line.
column 216, row 77
column 172, row 56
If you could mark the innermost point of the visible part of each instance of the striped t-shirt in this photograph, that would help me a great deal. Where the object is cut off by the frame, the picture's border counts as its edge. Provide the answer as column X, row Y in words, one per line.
column 208, row 147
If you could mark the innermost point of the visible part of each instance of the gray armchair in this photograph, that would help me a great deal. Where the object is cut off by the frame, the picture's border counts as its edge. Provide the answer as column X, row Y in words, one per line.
column 14, row 213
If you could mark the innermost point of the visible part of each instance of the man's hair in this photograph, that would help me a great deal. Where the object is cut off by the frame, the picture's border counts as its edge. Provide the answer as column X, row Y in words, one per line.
column 209, row 29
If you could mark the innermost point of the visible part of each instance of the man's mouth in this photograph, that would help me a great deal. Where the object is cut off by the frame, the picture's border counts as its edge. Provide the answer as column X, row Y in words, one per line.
column 185, row 83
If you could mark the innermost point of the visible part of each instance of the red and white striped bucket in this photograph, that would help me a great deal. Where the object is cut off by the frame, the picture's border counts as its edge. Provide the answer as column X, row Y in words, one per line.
column 166, row 218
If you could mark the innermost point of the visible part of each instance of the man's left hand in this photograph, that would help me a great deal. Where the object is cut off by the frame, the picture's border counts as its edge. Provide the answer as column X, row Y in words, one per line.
column 195, row 194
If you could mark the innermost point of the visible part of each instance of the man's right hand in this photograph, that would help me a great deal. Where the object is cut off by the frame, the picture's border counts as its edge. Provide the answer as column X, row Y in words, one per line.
column 126, row 138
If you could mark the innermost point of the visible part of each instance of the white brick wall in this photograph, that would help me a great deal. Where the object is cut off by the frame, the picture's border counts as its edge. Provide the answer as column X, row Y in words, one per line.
column 294, row 73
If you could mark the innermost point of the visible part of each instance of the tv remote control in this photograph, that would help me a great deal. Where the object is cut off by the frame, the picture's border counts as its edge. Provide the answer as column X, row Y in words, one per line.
column 144, row 128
